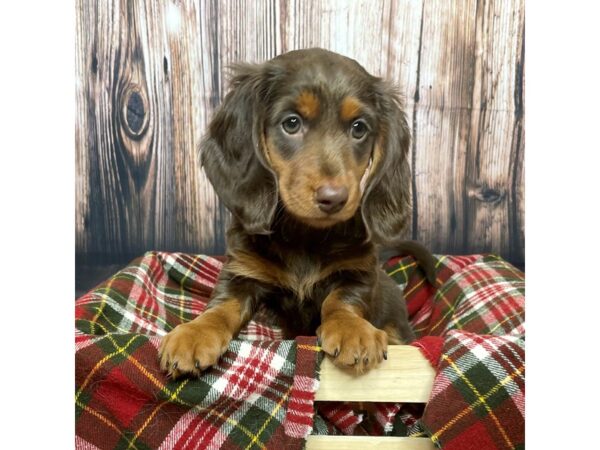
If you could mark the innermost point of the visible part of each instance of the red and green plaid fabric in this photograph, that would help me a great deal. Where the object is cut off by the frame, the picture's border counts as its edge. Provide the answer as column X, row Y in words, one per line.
column 474, row 325
column 261, row 394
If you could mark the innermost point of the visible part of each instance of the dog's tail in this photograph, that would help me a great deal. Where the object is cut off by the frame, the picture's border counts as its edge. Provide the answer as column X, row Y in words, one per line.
column 413, row 248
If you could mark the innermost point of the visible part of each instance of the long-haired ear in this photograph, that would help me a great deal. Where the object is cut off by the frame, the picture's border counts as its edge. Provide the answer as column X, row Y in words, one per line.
column 232, row 154
column 386, row 207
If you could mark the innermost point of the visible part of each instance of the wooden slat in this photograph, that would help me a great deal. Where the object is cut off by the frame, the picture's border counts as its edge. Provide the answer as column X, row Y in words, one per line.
column 145, row 190
column 406, row 376
column 459, row 65
column 468, row 129
column 366, row 442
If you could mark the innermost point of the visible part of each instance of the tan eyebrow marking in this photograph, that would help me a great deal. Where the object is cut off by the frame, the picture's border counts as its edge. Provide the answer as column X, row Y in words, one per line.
column 308, row 105
column 350, row 108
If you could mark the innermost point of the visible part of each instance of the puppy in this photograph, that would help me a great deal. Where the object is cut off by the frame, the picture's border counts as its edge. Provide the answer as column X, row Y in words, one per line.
column 309, row 153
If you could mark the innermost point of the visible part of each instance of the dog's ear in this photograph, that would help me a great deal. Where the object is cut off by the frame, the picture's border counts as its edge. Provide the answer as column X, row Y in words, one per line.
column 386, row 207
column 232, row 153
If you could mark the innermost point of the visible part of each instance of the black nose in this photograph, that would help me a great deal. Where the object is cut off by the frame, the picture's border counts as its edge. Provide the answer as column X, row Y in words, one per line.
column 331, row 198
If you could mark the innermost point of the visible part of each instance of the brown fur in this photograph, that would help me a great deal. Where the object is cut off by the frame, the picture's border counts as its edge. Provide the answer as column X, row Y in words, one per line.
column 348, row 337
column 316, row 270
column 302, row 174
column 194, row 346
column 308, row 105
column 394, row 337
column 350, row 108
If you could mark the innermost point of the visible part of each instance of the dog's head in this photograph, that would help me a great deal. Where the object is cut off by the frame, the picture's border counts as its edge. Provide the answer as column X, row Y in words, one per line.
column 313, row 129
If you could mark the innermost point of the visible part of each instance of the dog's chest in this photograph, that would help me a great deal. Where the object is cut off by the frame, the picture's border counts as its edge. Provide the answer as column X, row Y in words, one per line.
column 304, row 273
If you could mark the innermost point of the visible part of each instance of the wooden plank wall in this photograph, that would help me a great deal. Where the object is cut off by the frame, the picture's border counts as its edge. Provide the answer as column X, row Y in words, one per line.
column 150, row 74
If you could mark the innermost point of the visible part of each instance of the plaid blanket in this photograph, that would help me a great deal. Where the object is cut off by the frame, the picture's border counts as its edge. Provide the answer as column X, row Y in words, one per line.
column 474, row 328
column 261, row 393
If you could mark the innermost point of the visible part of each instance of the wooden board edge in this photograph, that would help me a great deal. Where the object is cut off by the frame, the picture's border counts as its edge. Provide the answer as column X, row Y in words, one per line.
column 406, row 376
column 363, row 442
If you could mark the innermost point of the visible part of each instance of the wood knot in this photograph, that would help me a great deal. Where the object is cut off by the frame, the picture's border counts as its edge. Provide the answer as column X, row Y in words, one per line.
column 134, row 111
column 489, row 195
column 94, row 64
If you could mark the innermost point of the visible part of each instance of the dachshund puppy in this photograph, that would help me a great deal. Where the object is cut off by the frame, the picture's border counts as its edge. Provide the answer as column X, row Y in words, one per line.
column 309, row 153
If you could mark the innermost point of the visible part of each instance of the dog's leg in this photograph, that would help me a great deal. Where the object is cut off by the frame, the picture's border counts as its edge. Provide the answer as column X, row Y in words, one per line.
column 194, row 346
column 394, row 315
column 351, row 340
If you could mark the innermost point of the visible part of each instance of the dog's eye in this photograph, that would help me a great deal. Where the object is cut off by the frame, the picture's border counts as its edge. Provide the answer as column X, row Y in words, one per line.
column 291, row 124
column 359, row 129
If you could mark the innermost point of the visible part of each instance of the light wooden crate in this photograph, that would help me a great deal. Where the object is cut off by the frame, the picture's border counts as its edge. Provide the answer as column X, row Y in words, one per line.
column 406, row 377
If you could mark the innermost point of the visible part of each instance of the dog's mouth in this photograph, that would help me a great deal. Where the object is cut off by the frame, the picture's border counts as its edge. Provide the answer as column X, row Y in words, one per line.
column 316, row 217
column 319, row 222
column 319, row 202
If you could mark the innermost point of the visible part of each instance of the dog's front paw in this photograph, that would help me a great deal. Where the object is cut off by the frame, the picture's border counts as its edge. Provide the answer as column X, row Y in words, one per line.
column 192, row 347
column 353, row 343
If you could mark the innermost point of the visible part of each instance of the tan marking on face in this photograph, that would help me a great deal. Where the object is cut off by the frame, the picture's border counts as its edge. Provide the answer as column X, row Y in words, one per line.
column 307, row 104
column 354, row 174
column 377, row 157
column 300, row 177
column 264, row 148
column 297, row 178
column 350, row 108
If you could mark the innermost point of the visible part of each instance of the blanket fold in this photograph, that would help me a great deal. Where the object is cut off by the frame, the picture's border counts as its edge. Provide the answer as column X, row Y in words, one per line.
column 261, row 395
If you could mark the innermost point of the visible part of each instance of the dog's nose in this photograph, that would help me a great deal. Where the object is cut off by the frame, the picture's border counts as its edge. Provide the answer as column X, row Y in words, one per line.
column 331, row 198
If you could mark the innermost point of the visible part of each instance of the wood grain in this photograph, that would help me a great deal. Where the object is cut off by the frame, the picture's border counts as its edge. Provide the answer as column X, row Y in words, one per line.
column 150, row 74
column 468, row 130
column 405, row 377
